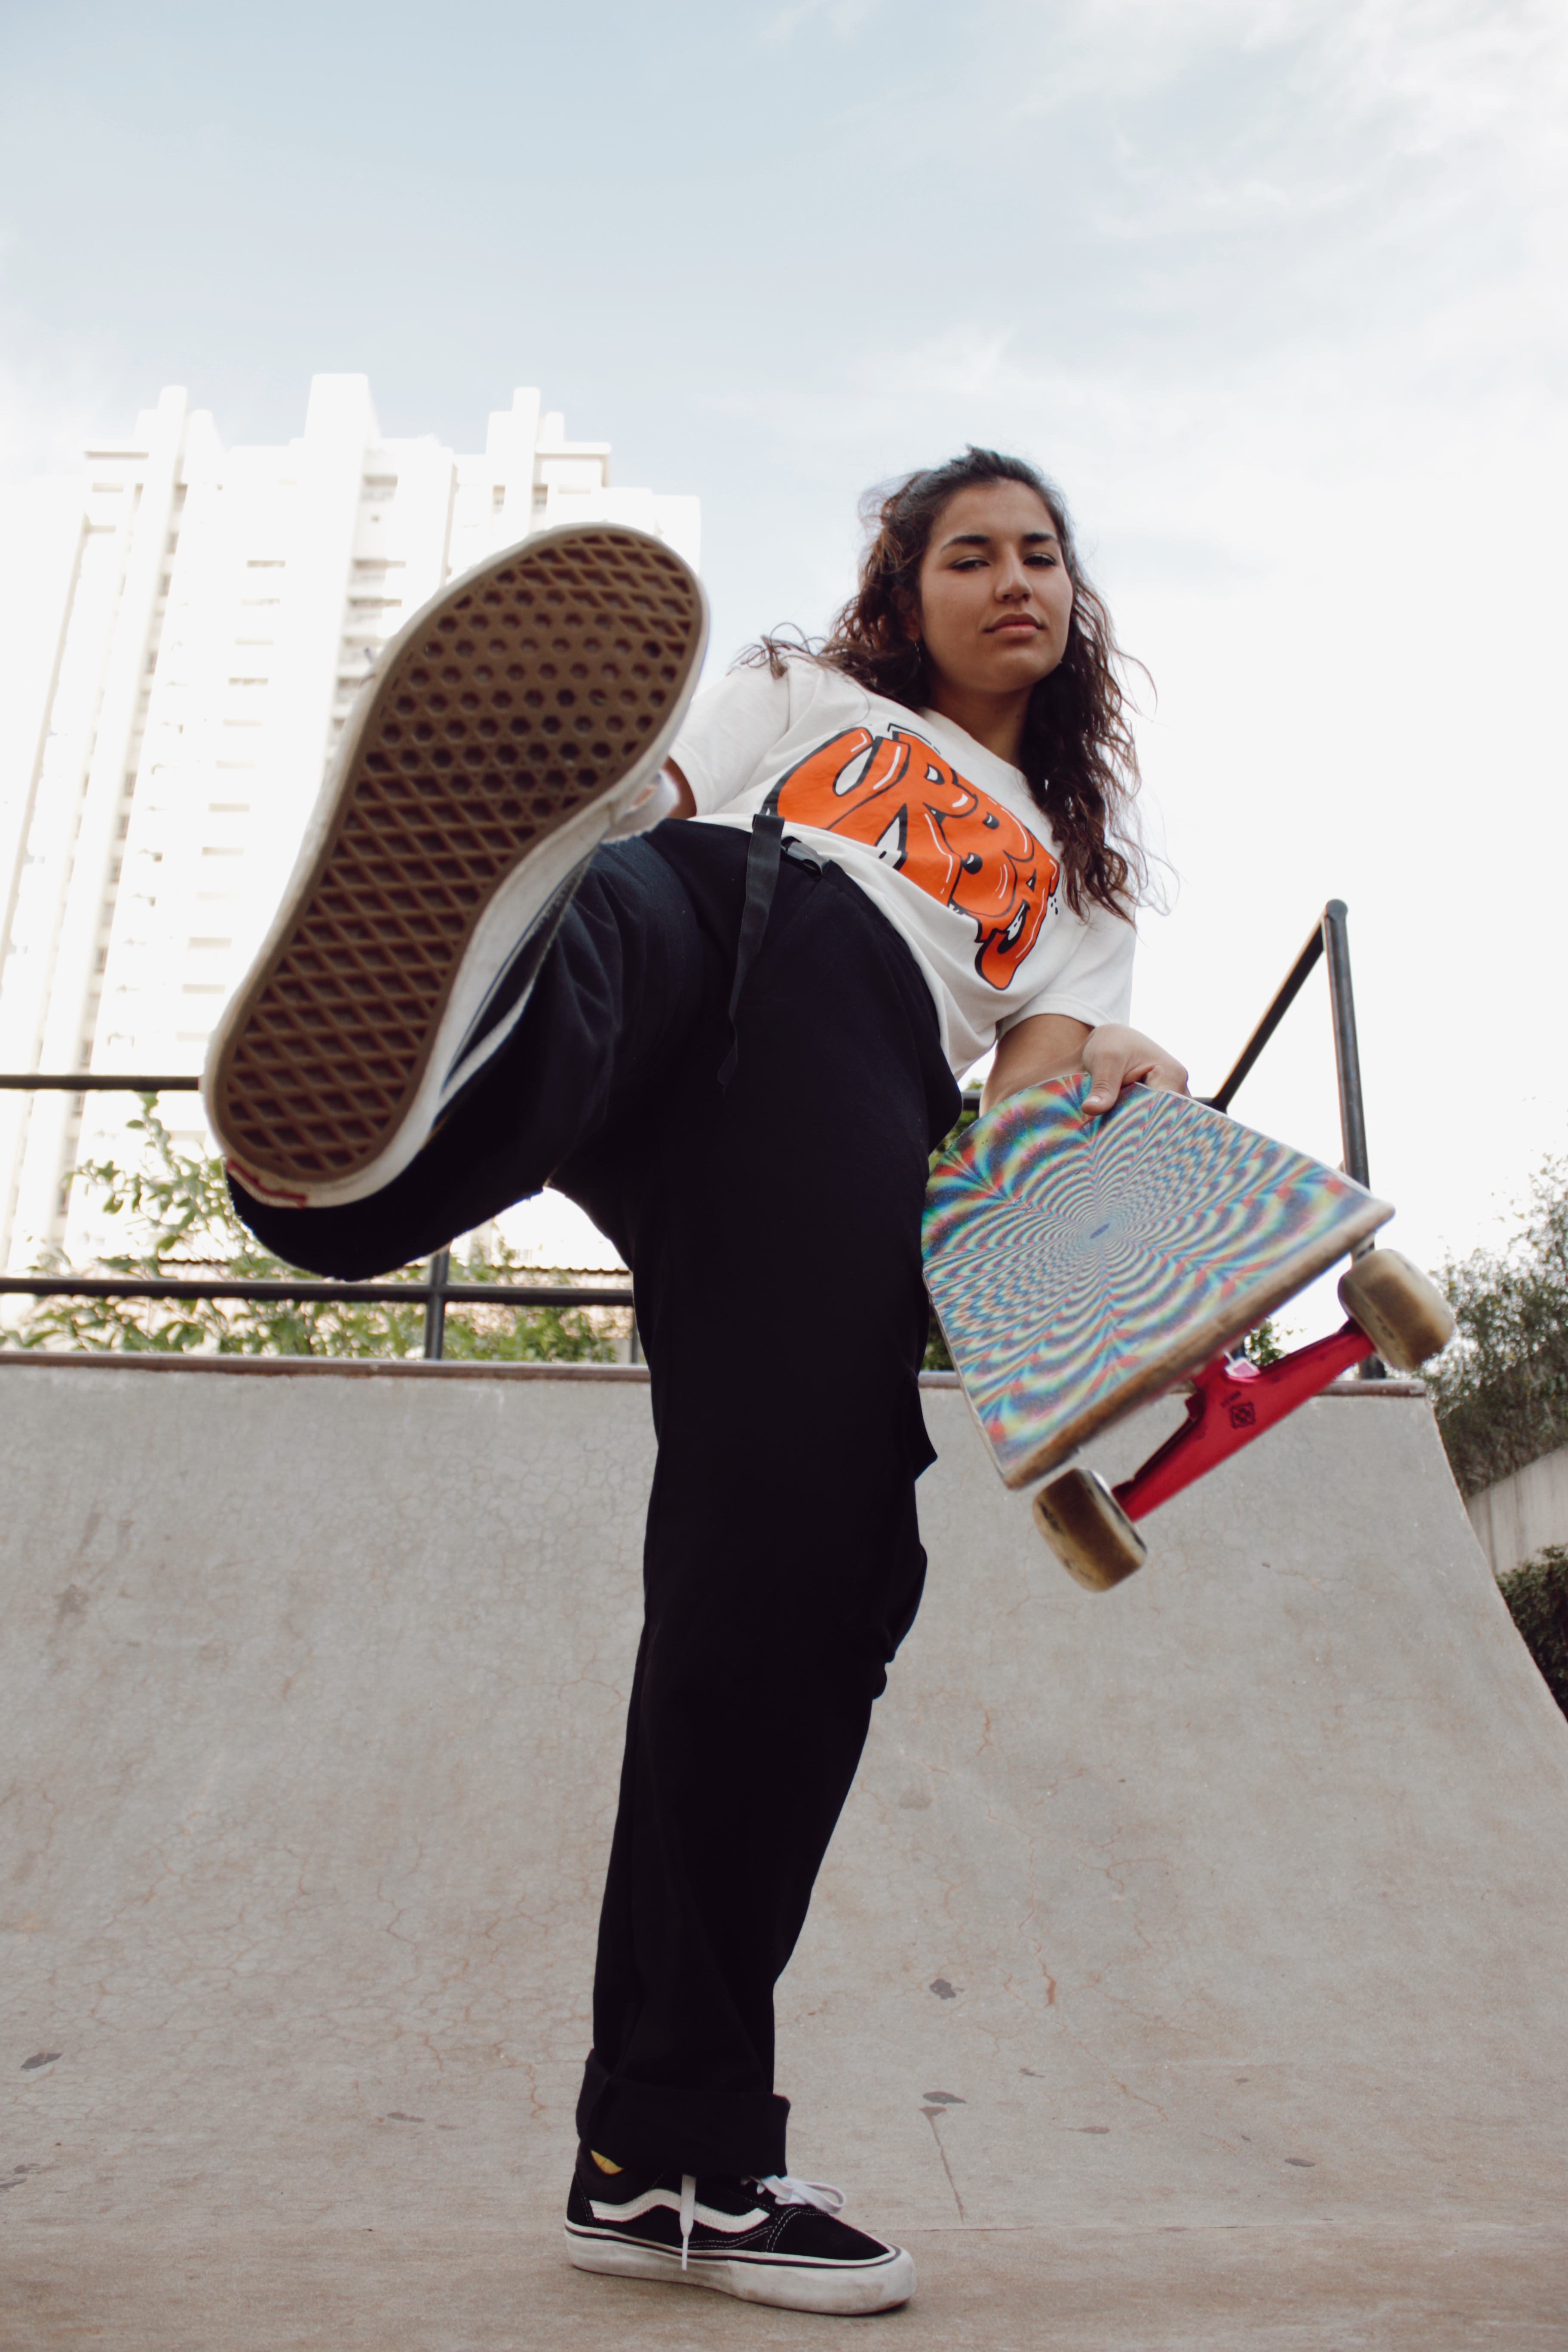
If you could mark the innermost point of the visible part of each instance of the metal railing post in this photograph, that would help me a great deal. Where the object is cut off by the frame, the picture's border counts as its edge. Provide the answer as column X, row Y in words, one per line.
column 435, row 1305
column 1347, row 1057
column 1347, row 1069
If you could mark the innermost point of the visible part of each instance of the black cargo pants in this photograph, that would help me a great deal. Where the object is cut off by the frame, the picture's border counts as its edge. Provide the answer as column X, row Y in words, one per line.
column 772, row 1228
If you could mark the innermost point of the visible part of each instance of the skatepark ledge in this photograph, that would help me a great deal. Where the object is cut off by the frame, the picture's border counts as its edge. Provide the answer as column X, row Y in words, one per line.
column 1186, row 1971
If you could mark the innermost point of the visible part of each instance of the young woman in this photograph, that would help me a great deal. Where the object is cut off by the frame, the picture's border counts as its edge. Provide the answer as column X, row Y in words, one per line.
column 734, row 1041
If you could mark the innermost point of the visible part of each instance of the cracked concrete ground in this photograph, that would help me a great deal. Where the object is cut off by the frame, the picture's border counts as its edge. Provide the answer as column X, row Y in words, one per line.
column 1187, row 1970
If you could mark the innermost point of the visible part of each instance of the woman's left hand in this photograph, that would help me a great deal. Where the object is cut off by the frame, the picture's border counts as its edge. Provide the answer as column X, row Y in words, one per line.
column 1116, row 1057
column 1047, row 1045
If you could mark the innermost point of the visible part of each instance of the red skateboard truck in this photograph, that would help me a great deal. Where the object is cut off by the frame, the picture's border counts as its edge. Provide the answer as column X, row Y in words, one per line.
column 1394, row 1311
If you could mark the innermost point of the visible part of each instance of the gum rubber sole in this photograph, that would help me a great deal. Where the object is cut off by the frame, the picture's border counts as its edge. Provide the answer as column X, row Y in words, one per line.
column 515, row 703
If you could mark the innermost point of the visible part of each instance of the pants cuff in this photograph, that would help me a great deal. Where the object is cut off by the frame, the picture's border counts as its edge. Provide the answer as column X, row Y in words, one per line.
column 688, row 2131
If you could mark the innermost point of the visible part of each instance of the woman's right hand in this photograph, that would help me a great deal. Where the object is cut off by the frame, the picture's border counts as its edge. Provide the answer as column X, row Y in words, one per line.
column 1116, row 1057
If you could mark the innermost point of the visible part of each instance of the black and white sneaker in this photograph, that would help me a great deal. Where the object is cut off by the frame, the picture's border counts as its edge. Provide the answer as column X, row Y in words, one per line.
column 776, row 2241
column 520, row 718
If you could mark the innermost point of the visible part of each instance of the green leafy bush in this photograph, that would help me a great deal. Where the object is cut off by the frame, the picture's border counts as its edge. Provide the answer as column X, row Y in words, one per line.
column 182, row 1226
column 1262, row 1347
column 1501, row 1390
column 1537, row 1596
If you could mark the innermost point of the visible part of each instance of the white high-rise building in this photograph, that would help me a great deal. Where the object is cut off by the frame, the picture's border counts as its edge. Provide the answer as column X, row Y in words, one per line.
column 216, row 613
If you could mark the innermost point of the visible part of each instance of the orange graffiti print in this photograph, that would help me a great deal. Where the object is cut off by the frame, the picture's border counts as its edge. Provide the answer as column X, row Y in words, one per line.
column 903, row 800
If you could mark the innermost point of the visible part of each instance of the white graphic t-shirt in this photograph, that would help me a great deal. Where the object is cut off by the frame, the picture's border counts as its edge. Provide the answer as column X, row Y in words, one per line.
column 942, row 833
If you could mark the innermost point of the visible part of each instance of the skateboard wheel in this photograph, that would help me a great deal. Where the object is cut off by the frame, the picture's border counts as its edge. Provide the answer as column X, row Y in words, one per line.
column 1087, row 1529
column 1405, row 1316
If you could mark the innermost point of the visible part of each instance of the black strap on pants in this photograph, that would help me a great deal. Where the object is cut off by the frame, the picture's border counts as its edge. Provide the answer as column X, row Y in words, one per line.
column 761, row 881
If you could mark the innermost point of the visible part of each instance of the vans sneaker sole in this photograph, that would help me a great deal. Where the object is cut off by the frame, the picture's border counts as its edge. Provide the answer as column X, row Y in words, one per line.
column 848, row 2290
column 512, row 724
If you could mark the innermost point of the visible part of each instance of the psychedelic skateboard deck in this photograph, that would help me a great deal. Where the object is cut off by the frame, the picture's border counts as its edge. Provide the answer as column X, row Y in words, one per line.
column 1080, row 1266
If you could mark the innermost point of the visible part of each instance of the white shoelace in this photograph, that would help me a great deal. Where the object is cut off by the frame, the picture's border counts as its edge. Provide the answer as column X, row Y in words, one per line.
column 787, row 2190
column 782, row 2187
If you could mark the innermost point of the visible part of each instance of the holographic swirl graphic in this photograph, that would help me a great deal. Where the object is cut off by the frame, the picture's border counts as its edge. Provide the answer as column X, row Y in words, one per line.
column 1081, row 1265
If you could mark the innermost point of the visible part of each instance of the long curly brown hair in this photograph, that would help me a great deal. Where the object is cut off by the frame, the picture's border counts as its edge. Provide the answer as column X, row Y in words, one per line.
column 1078, row 757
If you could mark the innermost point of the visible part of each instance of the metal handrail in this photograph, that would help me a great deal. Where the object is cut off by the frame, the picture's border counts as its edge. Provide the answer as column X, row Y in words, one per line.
column 1330, row 936
column 437, row 1291
column 374, row 1294
column 88, row 1082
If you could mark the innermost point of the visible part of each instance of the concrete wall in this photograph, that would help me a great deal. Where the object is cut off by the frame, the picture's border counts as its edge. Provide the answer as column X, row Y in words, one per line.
column 1198, row 1945
column 1519, row 1515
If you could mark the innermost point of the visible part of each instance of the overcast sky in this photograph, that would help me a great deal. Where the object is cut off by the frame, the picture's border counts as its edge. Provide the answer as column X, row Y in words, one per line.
column 1275, row 288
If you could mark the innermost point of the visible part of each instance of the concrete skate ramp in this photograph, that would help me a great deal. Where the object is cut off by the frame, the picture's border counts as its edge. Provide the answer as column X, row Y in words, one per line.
column 1191, row 1968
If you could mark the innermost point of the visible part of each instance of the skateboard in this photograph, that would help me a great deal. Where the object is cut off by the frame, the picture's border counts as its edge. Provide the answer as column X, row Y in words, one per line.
column 1080, row 1266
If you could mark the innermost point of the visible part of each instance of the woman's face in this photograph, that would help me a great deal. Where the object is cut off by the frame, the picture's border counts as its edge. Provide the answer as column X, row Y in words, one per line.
column 994, row 595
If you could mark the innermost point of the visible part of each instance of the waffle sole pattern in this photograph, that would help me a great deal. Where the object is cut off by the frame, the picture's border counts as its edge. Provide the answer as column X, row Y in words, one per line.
column 514, row 704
